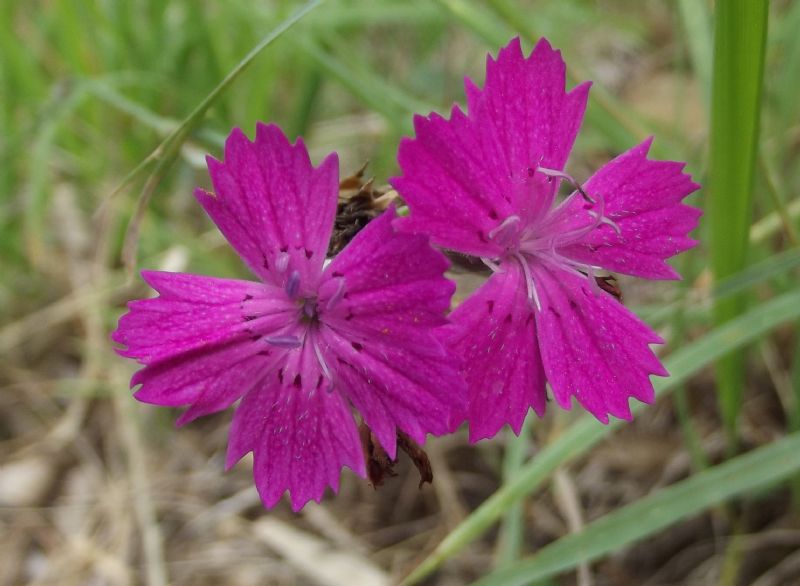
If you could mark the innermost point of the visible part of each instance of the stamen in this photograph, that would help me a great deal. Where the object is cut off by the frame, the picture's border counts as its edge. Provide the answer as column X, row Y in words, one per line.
column 568, row 178
column 582, row 270
column 592, row 281
column 293, row 284
column 288, row 342
column 322, row 364
column 282, row 262
column 568, row 263
column 492, row 265
column 608, row 221
column 504, row 232
column 599, row 218
column 531, row 286
column 337, row 296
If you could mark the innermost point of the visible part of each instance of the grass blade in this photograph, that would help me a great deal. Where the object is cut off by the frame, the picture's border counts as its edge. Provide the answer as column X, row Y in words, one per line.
column 697, row 23
column 771, row 223
column 755, row 274
column 739, row 46
column 612, row 116
column 775, row 190
column 586, row 432
column 166, row 153
column 480, row 21
column 602, row 112
column 512, row 532
column 759, row 468
column 394, row 104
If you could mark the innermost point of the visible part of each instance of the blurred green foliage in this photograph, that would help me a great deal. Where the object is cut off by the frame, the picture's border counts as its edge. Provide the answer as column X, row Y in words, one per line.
column 89, row 89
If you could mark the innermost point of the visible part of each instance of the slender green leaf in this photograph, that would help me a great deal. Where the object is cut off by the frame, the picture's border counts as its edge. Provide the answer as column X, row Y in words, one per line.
column 740, row 38
column 479, row 20
column 757, row 469
column 371, row 13
column 38, row 192
column 787, row 87
column 396, row 106
column 697, row 23
column 304, row 110
column 512, row 532
column 585, row 433
column 166, row 153
column 162, row 125
column 794, row 412
column 771, row 223
column 755, row 274
column 604, row 111
column 691, row 437
column 775, row 190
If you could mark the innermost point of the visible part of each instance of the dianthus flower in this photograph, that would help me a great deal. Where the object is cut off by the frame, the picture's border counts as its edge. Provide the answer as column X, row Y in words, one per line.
column 485, row 184
column 308, row 342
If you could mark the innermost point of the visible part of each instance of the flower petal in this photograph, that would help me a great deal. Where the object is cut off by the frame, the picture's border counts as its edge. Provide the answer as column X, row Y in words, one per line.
column 455, row 193
column 197, row 342
column 300, row 434
column 379, row 338
column 593, row 348
column 526, row 118
column 192, row 312
column 643, row 198
column 495, row 333
column 272, row 205
column 390, row 278
column 464, row 176
column 398, row 382
column 207, row 381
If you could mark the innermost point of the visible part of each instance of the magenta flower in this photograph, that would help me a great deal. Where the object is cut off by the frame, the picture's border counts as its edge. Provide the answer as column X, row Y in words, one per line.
column 485, row 184
column 307, row 342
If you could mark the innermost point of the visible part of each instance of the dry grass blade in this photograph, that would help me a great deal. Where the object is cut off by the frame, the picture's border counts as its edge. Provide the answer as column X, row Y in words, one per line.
column 316, row 558
column 65, row 308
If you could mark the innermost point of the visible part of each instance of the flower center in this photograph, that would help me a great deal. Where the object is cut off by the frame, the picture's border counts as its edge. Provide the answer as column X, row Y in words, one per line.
column 507, row 233
column 294, row 325
column 541, row 240
column 309, row 313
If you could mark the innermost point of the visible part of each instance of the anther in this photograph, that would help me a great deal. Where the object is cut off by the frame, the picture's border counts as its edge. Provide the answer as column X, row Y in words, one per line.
column 282, row 262
column 293, row 284
column 288, row 342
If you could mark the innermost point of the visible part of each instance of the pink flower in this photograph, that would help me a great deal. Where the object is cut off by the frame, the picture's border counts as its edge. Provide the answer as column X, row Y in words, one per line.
column 310, row 340
column 485, row 184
